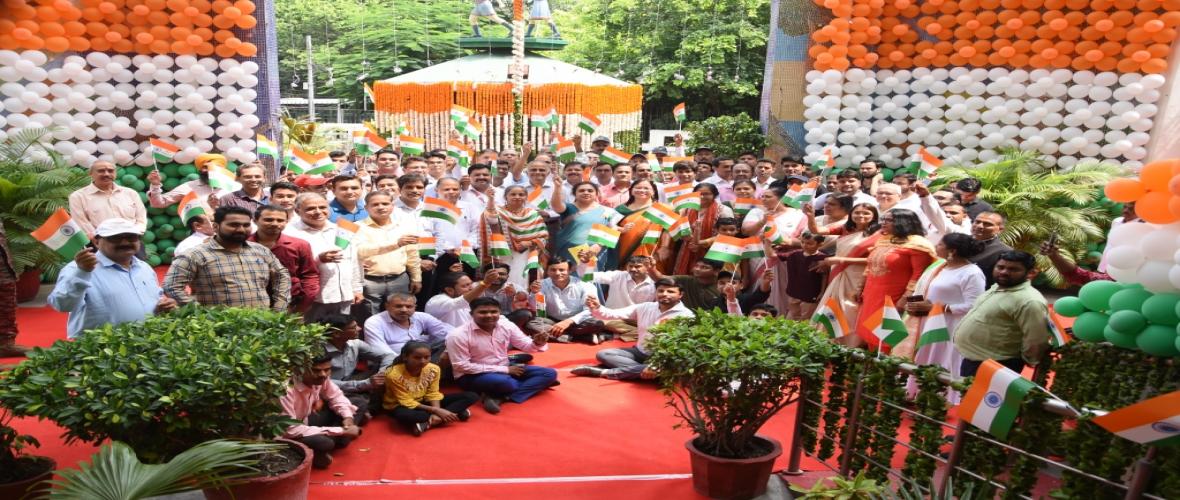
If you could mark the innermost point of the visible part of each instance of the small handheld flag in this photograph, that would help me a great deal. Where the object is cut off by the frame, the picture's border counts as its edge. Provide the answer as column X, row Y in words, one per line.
column 267, row 147
column 934, row 328
column 537, row 199
column 679, row 113
column 825, row 163
column 221, row 178
column 661, row 214
column 925, row 164
column 993, row 401
column 539, row 299
column 691, row 201
column 467, row 254
column 603, row 235
column 367, row 142
column 533, row 262
column 302, row 162
column 799, row 194
column 1154, row 421
column 346, row 230
column 830, row 316
column 614, row 156
column 588, row 123
column 726, row 249
column 162, row 150
column 411, row 145
column 673, row 192
column 885, row 324
column 566, row 152
column 427, row 246
column 1059, row 334
column 498, row 245
column 770, row 233
column 753, row 249
column 436, row 208
column 61, row 234
column 543, row 118
column 651, row 237
column 680, row 229
column 742, row 206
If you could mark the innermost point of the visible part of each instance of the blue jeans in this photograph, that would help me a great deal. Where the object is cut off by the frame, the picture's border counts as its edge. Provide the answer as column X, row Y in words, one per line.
column 503, row 385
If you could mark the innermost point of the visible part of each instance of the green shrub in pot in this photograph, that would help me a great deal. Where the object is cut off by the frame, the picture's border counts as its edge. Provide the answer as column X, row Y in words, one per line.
column 169, row 383
column 727, row 375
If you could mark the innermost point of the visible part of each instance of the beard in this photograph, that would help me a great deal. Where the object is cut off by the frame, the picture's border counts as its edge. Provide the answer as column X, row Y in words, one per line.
column 236, row 238
column 204, row 176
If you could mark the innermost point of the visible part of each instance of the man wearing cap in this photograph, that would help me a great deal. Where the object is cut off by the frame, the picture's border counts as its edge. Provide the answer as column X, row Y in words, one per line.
column 159, row 199
column 703, row 154
column 103, row 199
column 110, row 285
column 599, row 144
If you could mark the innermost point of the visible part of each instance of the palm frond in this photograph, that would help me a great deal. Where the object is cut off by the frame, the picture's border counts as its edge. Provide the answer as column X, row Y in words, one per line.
column 115, row 473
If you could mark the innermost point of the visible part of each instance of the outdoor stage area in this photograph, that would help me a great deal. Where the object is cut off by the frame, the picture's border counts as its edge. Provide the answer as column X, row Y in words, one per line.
column 587, row 438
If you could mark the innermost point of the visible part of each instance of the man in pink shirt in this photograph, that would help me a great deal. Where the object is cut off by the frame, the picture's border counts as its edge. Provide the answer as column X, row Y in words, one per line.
column 103, row 199
column 617, row 192
column 326, row 414
column 479, row 357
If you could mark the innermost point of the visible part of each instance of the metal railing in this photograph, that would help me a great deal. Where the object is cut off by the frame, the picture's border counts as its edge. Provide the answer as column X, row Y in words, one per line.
column 1135, row 487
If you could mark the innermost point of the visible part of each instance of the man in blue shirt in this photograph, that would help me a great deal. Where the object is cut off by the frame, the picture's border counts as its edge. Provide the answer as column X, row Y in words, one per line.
column 110, row 286
column 347, row 203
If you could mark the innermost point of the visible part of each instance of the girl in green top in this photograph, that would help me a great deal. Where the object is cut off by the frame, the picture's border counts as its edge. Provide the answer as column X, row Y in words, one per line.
column 412, row 395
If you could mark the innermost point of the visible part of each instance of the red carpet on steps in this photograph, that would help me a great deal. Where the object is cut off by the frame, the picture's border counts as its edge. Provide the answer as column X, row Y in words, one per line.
column 587, row 438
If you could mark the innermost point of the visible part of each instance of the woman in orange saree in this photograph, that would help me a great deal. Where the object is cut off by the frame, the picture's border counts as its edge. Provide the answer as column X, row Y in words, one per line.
column 634, row 225
column 703, row 224
column 894, row 266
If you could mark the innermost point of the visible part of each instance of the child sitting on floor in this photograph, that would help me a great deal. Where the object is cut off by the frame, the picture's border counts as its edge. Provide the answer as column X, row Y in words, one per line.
column 412, row 395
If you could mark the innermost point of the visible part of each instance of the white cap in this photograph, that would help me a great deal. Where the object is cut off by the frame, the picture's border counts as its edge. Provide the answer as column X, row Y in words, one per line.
column 112, row 227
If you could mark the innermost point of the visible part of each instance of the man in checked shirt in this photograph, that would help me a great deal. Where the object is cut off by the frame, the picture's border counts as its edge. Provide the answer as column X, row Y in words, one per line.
column 227, row 270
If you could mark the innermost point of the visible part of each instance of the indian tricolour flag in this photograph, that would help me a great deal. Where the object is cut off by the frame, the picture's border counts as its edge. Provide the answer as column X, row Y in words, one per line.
column 885, row 324
column 613, row 156
column 302, row 162
column 461, row 116
column 679, row 113
column 661, row 214
column 440, row 209
column 993, row 401
column 651, row 237
column 669, row 162
column 603, row 235
column 473, row 130
column 367, row 142
column 61, row 234
column 403, row 128
column 267, row 147
column 162, row 150
column 427, row 246
column 411, row 145
column 460, row 152
column 467, row 254
column 588, row 123
column 539, row 300
column 533, row 262
column 543, row 118
column 221, row 178
column 1059, row 334
column 369, row 92
column 826, row 162
column 770, row 234
column 799, row 194
column 565, row 150
column 653, row 161
column 742, row 206
column 934, row 327
column 536, row 198
column 189, row 207
column 690, row 201
column 830, row 317
column 346, row 230
column 753, row 248
column 726, row 249
column 924, row 164
column 1154, row 422
column 680, row 229
column 498, row 245
column 673, row 192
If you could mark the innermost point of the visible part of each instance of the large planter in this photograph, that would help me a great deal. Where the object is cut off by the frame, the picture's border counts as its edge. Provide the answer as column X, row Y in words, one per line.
column 732, row 478
column 28, row 284
column 33, row 484
column 291, row 485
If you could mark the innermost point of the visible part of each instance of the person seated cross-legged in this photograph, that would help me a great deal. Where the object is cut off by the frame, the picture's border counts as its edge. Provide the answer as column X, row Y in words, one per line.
column 412, row 395
column 565, row 317
column 322, row 429
column 479, row 357
column 630, row 362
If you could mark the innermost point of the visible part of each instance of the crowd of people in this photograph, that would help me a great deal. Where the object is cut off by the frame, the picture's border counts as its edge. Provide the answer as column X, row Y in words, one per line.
column 413, row 300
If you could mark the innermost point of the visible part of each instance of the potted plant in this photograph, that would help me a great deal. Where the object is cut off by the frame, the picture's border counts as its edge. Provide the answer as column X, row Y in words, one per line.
column 34, row 182
column 726, row 376
column 20, row 474
column 173, row 381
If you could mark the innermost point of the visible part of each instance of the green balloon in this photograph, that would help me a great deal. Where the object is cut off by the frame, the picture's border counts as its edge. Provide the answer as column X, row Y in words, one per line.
column 150, row 248
column 887, row 174
column 149, row 224
column 1160, row 309
column 143, row 197
column 165, row 231
column 1127, row 322
column 149, row 237
column 1119, row 339
column 1158, row 340
column 1090, row 325
column 168, row 259
column 1096, row 294
column 155, row 260
column 128, row 179
column 170, row 183
column 135, row 170
column 170, row 251
column 187, row 169
column 138, row 185
column 191, row 177
column 160, row 219
column 154, row 211
column 1070, row 307
column 1131, row 299
column 170, row 170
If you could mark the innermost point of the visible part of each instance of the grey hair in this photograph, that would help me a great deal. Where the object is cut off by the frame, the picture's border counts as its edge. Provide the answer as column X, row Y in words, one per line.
column 302, row 197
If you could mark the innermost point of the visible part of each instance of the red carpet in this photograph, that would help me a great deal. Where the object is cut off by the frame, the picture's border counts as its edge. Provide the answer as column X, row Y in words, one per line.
column 587, row 438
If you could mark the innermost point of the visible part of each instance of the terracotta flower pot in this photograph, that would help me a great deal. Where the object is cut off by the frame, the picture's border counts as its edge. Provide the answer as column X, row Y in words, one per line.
column 33, row 484
column 291, row 485
column 732, row 478
column 27, row 285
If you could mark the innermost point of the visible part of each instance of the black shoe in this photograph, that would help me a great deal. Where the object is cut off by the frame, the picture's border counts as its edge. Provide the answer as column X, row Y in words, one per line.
column 464, row 415
column 321, row 460
column 587, row 371
column 491, row 405
column 520, row 358
column 419, row 428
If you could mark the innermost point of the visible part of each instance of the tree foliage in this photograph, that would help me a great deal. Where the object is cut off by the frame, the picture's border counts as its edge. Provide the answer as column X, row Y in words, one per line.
column 707, row 53
column 729, row 135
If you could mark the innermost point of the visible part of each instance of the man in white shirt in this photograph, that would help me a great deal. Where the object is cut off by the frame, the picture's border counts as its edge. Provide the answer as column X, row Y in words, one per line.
column 453, row 306
column 940, row 220
column 341, row 277
column 565, row 315
column 627, row 288
column 723, row 179
column 448, row 236
column 481, row 181
column 848, row 182
column 629, row 362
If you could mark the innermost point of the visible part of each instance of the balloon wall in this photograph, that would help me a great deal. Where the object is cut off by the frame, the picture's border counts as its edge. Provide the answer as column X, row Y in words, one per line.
column 1076, row 80
column 107, row 75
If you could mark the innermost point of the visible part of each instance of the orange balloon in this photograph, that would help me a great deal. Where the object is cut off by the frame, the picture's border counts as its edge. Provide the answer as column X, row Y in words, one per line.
column 247, row 7
column 1156, row 176
column 1155, row 66
column 159, row 47
column 74, row 28
column 249, row 22
column 22, row 34
column 234, row 13
column 1007, row 51
column 1174, row 205
column 1153, row 207
column 1124, row 190
column 57, row 44
column 225, row 51
column 141, row 10
column 248, row 50
column 79, row 44
column 158, row 18
column 205, row 49
column 113, row 36
column 100, row 44
column 123, row 45
column 145, row 38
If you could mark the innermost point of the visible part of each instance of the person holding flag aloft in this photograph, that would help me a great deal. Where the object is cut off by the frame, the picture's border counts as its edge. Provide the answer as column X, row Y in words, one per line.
column 341, row 276
column 212, row 178
column 894, row 265
column 578, row 216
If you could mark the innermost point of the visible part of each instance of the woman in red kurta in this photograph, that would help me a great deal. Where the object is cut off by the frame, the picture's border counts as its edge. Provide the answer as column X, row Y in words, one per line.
column 895, row 264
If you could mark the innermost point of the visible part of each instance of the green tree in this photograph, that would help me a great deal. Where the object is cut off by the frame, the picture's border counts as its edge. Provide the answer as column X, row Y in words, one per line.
column 358, row 37
column 708, row 53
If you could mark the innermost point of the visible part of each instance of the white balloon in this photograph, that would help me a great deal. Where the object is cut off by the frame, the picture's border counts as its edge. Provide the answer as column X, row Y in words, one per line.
column 1154, row 276
column 1129, row 234
column 1160, row 244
